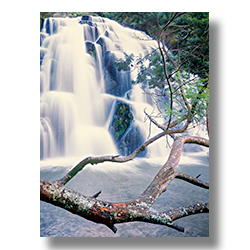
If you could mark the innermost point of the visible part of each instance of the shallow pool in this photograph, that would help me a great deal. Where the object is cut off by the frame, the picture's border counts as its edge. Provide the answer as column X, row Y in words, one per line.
column 124, row 182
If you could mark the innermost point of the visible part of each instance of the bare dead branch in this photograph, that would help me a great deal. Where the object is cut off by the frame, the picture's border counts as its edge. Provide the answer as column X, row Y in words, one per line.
column 117, row 158
column 192, row 180
column 109, row 213
column 167, row 173
column 181, row 212
column 99, row 159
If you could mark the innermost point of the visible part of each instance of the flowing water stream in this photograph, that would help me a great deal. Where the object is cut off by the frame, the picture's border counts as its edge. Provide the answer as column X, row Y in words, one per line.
column 80, row 92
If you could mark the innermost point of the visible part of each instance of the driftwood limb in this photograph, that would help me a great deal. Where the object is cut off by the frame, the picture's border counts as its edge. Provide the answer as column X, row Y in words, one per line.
column 109, row 213
column 167, row 172
column 117, row 158
column 99, row 211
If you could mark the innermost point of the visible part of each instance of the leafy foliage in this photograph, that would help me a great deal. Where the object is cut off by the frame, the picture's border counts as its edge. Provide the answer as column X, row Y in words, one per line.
column 186, row 59
column 187, row 37
column 149, row 22
column 191, row 43
column 44, row 15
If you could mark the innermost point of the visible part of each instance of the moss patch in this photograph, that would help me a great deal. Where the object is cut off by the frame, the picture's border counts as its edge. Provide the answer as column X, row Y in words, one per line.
column 122, row 120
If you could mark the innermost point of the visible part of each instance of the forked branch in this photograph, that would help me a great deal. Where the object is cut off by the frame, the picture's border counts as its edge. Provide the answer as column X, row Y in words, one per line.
column 109, row 213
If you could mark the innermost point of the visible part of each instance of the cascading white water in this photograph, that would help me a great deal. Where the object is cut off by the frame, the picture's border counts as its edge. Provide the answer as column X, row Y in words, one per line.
column 76, row 108
column 80, row 92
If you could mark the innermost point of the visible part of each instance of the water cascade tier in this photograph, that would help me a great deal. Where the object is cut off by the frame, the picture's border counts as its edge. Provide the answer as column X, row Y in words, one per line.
column 88, row 107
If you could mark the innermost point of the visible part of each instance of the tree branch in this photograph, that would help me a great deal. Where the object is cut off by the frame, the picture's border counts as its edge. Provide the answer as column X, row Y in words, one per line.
column 154, row 121
column 109, row 213
column 192, row 180
column 173, row 124
column 167, row 173
column 181, row 212
column 117, row 158
column 165, row 66
column 178, row 77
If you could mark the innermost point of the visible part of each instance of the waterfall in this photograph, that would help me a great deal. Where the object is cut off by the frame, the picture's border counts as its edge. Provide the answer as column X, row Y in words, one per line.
column 89, row 108
column 81, row 91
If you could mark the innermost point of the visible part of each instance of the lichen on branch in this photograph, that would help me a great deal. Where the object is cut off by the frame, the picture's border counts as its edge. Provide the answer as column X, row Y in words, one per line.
column 108, row 213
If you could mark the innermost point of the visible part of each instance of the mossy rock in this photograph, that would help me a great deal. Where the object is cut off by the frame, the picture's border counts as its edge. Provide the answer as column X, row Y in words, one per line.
column 121, row 120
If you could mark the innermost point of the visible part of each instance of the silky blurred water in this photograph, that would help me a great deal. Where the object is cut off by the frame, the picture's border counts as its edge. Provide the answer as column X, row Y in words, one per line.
column 76, row 114
column 124, row 182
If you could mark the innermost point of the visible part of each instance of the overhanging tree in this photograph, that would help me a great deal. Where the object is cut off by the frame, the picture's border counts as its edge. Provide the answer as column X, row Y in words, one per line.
column 178, row 72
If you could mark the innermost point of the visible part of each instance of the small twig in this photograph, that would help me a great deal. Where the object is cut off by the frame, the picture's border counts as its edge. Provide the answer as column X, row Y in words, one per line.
column 149, row 132
column 154, row 121
column 97, row 194
column 192, row 180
